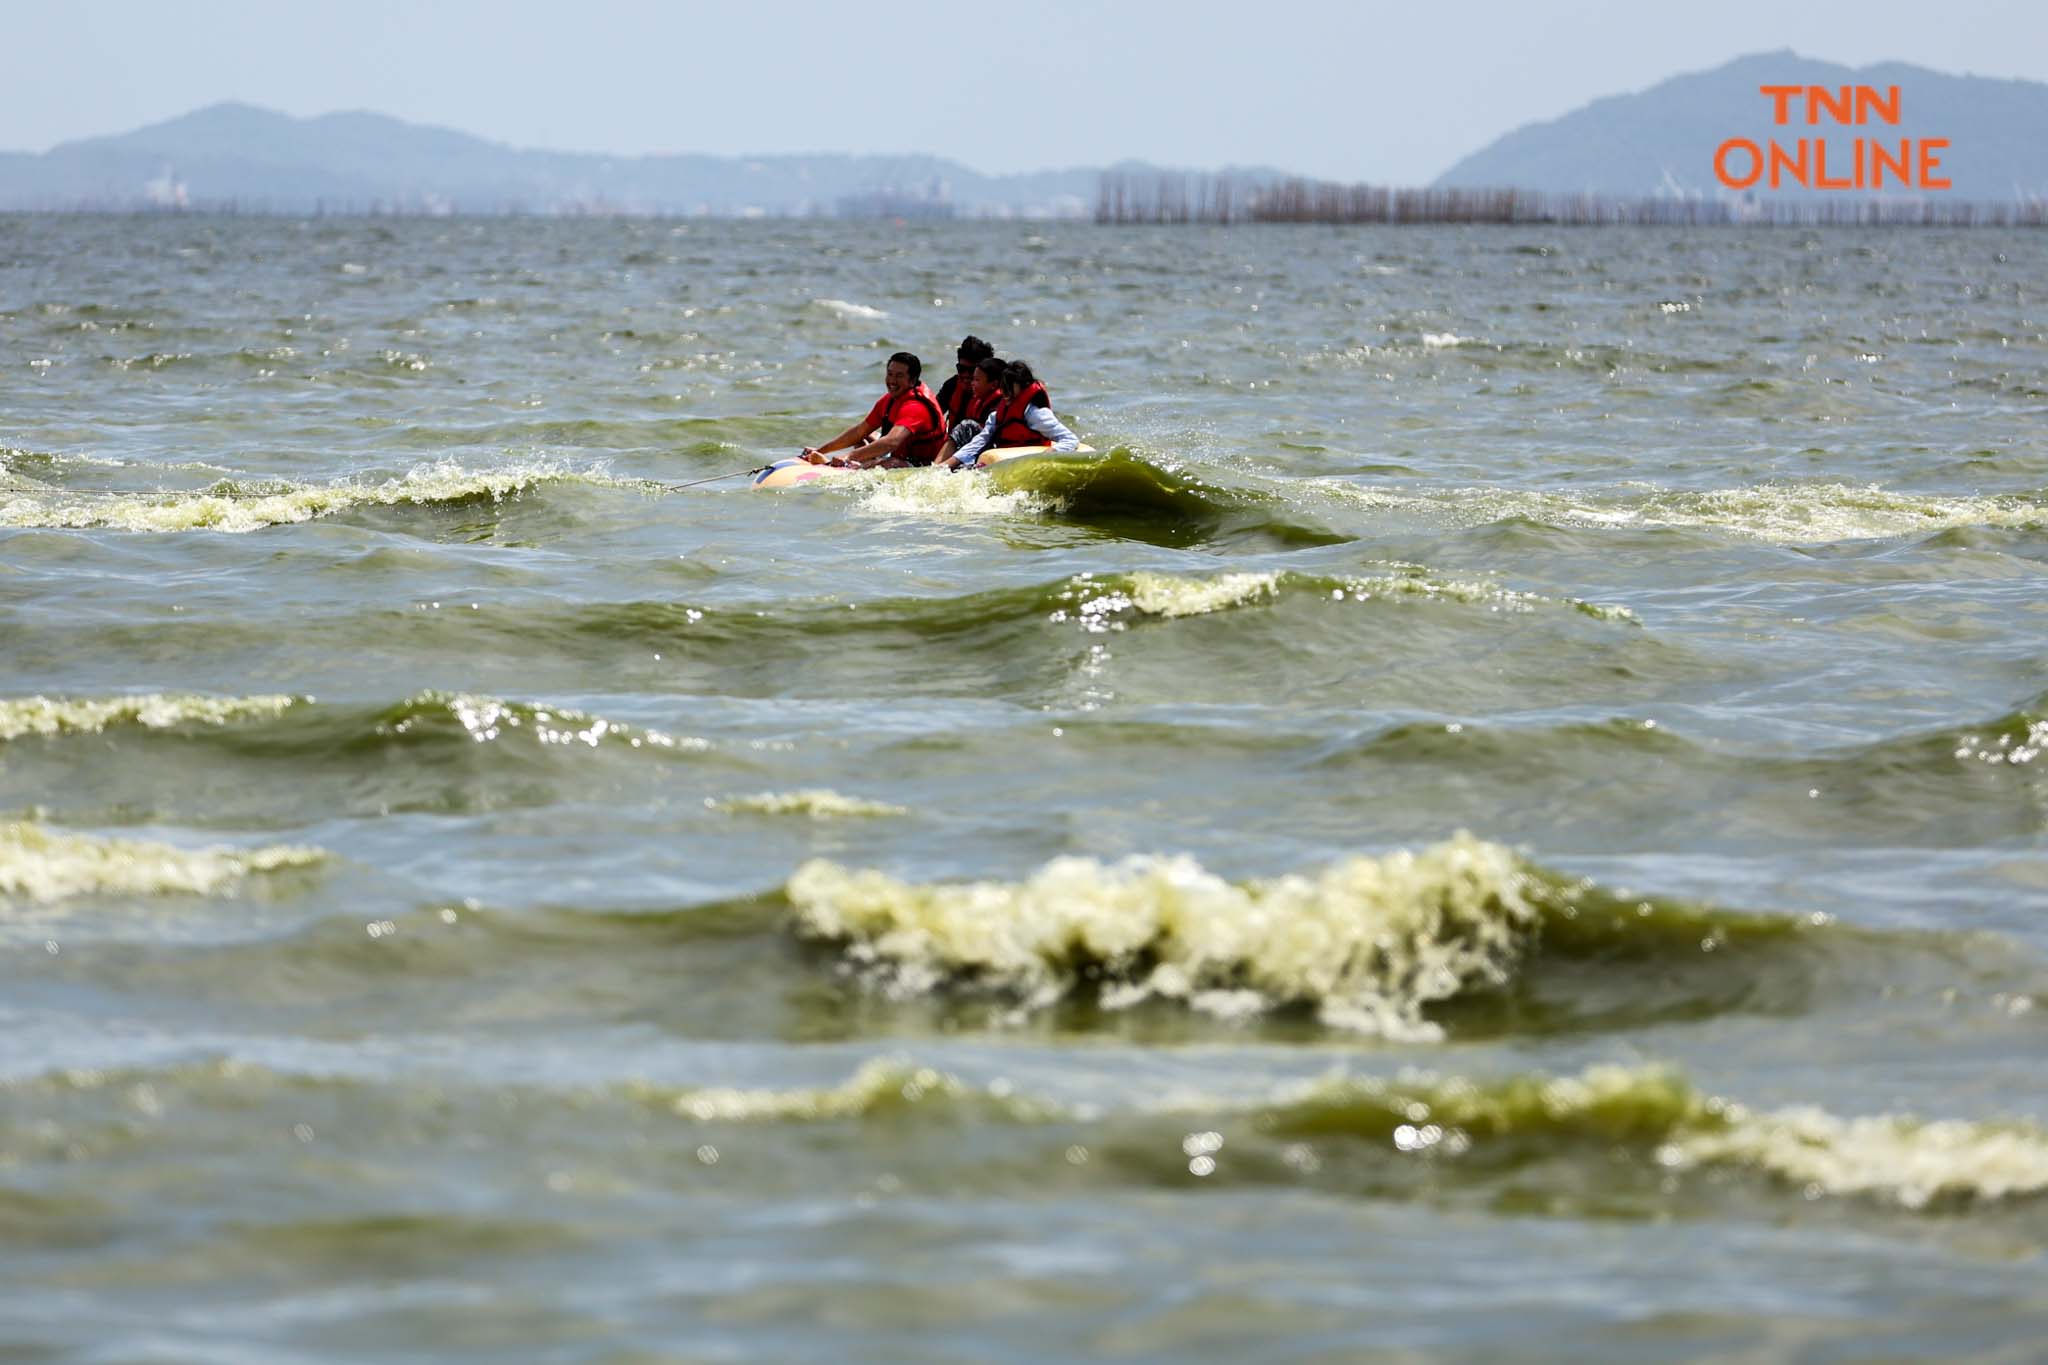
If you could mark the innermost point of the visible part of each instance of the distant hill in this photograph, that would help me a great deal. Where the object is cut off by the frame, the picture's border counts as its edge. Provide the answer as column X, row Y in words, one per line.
column 258, row 160
column 1662, row 140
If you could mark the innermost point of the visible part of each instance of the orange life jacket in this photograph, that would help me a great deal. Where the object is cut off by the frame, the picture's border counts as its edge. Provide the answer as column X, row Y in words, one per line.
column 922, row 447
column 1011, row 428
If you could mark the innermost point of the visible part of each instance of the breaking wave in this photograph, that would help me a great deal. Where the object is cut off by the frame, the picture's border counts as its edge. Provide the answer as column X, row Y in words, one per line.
column 1101, row 601
column 306, row 730
column 1779, row 513
column 1650, row 1114
column 1652, row 1111
column 432, row 715
column 1461, row 939
column 881, row 1086
column 1117, row 493
column 1635, row 1130
column 1370, row 944
column 43, row 866
column 1124, row 495
column 960, row 497
column 235, row 507
column 817, row 802
column 155, row 711
column 971, row 629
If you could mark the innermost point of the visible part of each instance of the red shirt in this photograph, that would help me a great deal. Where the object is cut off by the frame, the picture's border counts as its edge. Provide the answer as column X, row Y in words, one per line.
column 913, row 416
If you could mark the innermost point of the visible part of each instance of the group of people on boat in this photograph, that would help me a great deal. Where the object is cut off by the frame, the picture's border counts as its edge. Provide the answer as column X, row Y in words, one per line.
column 988, row 404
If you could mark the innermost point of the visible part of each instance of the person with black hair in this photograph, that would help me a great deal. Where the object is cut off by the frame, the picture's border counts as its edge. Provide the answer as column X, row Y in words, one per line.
column 984, row 400
column 904, row 427
column 954, row 393
column 1024, row 419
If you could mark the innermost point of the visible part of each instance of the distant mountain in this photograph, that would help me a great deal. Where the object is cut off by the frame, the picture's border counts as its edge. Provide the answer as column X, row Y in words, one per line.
column 1662, row 140
column 237, row 155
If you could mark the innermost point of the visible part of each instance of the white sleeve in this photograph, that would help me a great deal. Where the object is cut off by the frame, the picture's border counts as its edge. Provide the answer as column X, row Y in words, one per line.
column 1045, row 424
column 971, row 452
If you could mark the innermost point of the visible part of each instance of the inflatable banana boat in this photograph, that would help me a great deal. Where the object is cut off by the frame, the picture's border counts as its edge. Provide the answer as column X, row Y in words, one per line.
column 791, row 472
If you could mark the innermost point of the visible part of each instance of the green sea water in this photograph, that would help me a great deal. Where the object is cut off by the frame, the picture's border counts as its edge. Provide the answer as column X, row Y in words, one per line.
column 1505, row 813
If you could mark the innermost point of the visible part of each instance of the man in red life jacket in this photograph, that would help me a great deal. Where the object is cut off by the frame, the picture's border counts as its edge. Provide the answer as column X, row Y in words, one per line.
column 904, row 427
column 954, row 394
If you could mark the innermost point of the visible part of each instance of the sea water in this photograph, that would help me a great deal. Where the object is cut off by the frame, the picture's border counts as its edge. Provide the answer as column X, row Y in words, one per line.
column 1505, row 812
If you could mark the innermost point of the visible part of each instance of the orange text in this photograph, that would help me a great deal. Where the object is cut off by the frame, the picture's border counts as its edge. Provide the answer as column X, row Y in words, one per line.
column 1911, row 163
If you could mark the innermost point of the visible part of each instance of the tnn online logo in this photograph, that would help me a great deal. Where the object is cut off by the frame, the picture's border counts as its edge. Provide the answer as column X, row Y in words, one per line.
column 1912, row 163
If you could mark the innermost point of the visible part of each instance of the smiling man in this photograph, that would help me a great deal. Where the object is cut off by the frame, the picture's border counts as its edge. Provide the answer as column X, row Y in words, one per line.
column 904, row 427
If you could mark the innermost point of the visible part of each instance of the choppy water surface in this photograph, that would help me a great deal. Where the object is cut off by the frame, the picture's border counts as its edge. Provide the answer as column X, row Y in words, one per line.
column 1508, row 812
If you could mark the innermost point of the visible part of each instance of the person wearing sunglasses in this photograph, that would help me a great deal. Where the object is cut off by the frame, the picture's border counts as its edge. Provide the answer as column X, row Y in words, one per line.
column 954, row 395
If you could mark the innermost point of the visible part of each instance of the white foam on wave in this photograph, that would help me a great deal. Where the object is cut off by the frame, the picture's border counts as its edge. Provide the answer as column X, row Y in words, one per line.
column 45, row 866
column 819, row 803
column 1899, row 1159
column 1471, row 592
column 1777, row 513
column 1098, row 605
column 235, row 512
column 484, row 719
column 1103, row 605
column 846, row 309
column 967, row 496
column 878, row 1083
column 1369, row 943
column 1163, row 595
column 1802, row 513
column 1906, row 1160
column 1650, row 1110
column 155, row 711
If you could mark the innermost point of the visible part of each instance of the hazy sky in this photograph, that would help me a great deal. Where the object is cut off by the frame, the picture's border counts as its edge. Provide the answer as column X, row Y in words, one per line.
column 1354, row 91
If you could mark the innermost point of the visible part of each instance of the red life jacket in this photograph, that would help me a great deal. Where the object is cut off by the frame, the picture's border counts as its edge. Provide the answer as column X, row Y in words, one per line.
column 959, row 399
column 1011, row 428
column 990, row 406
column 922, row 447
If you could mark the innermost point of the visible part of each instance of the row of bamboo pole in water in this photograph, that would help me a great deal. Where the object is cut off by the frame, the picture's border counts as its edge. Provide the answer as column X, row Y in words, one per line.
column 1222, row 199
